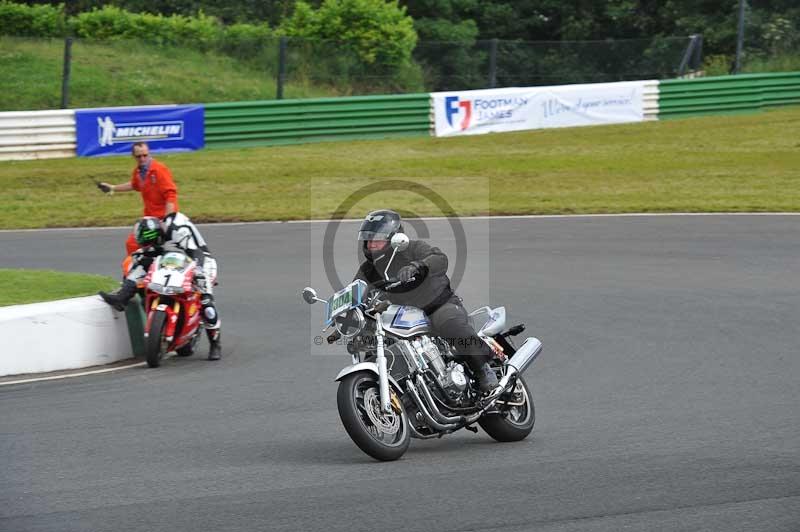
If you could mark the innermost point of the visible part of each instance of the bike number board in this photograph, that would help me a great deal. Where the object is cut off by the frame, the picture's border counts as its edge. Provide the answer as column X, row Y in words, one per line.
column 348, row 297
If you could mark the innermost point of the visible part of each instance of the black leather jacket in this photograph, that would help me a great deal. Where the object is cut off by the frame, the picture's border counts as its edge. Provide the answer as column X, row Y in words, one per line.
column 428, row 291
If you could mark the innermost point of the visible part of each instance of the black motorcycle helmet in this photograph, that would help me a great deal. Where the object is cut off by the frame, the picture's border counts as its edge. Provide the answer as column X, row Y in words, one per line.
column 379, row 225
column 149, row 232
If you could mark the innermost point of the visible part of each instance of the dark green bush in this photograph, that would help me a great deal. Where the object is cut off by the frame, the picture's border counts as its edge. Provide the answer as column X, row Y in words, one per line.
column 109, row 23
column 247, row 41
column 31, row 21
column 379, row 31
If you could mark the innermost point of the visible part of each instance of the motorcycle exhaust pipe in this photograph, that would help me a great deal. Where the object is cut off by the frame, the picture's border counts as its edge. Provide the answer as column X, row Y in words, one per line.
column 432, row 408
column 523, row 358
column 424, row 411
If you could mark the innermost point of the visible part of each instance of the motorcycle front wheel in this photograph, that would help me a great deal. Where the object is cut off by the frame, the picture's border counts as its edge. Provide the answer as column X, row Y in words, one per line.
column 380, row 435
column 516, row 415
column 155, row 345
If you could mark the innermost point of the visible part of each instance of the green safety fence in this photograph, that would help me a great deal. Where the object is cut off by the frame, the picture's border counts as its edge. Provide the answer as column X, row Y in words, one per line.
column 274, row 122
column 727, row 94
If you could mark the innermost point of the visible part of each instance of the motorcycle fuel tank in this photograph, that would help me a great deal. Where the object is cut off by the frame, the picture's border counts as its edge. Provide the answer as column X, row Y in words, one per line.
column 405, row 322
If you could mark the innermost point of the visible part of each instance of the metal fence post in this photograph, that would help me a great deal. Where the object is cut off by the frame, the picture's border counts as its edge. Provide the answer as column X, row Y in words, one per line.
column 697, row 61
column 66, row 73
column 493, row 63
column 739, row 39
column 690, row 52
column 281, row 67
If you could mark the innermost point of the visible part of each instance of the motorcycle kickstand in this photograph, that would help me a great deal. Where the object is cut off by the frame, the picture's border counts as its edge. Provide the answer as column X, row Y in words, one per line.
column 471, row 428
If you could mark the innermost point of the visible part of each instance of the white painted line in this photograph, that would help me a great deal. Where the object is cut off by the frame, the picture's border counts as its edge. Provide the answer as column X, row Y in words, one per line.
column 509, row 217
column 71, row 375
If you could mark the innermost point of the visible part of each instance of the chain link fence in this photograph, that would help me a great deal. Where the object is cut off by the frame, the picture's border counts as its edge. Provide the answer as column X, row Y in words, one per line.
column 108, row 73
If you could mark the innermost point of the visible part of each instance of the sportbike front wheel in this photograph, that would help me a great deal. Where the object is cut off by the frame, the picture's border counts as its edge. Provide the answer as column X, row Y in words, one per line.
column 383, row 436
column 155, row 345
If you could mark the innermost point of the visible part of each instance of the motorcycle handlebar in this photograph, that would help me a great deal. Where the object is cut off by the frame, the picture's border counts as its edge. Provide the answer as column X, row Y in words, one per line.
column 388, row 284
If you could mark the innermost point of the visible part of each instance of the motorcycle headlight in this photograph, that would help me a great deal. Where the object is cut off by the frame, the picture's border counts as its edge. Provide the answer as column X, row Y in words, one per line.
column 350, row 323
column 166, row 290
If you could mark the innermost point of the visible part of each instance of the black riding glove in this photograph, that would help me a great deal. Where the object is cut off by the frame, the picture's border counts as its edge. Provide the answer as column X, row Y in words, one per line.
column 406, row 273
column 104, row 187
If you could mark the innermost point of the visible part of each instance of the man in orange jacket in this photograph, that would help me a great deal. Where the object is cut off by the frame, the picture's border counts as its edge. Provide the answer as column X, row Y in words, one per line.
column 154, row 180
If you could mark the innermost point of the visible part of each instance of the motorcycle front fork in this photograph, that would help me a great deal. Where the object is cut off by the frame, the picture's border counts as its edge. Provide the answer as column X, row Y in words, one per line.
column 383, row 373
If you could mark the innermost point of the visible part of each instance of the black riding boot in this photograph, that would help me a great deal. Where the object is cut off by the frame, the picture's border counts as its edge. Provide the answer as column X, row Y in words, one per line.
column 487, row 378
column 120, row 298
column 215, row 347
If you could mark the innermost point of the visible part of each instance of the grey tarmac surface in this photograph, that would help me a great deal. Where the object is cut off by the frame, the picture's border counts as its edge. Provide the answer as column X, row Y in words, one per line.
column 667, row 394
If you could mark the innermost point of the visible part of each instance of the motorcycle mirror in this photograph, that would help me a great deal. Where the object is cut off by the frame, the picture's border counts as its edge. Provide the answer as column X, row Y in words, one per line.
column 310, row 295
column 400, row 241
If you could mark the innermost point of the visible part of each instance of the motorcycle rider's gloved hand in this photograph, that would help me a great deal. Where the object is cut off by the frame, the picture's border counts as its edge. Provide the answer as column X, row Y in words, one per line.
column 406, row 273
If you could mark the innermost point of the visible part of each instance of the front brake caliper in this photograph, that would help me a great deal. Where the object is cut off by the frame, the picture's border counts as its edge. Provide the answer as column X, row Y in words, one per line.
column 395, row 402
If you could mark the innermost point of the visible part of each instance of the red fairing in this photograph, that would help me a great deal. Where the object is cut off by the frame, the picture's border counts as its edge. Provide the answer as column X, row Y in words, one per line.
column 188, row 278
column 188, row 314
column 150, row 272
column 172, row 319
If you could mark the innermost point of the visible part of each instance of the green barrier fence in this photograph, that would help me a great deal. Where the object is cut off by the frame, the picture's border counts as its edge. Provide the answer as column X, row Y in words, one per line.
column 727, row 94
column 273, row 122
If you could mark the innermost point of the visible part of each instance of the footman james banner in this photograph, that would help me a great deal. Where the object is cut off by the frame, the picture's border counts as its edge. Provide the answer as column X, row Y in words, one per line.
column 514, row 109
column 112, row 131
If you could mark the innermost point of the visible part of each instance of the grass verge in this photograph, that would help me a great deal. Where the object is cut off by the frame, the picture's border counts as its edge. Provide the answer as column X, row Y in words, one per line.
column 709, row 164
column 127, row 73
column 18, row 287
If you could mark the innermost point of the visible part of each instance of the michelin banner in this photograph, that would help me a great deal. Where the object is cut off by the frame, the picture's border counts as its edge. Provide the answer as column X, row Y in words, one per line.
column 114, row 130
column 515, row 109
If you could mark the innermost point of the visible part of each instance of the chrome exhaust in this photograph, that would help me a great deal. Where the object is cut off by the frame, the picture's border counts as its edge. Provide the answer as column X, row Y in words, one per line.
column 432, row 408
column 424, row 411
column 523, row 358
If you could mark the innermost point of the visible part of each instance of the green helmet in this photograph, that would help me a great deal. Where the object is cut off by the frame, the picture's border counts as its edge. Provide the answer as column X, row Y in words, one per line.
column 149, row 232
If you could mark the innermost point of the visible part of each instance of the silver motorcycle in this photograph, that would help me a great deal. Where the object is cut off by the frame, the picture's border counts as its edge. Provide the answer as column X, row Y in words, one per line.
column 406, row 383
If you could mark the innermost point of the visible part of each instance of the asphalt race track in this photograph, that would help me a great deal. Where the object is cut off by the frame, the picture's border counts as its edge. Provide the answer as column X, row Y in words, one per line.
column 666, row 397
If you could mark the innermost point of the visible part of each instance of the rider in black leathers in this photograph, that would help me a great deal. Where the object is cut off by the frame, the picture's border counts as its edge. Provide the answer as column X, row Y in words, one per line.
column 423, row 272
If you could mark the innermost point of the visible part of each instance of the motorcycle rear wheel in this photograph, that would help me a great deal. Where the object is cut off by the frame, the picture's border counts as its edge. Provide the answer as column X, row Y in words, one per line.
column 516, row 418
column 188, row 349
column 155, row 345
column 358, row 401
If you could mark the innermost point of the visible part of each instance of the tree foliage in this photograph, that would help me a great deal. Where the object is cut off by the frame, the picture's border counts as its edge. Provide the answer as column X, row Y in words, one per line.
column 771, row 24
column 378, row 30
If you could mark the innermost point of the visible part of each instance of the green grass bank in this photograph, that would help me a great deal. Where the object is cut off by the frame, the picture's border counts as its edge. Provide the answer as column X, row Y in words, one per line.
column 122, row 73
column 710, row 164
column 18, row 287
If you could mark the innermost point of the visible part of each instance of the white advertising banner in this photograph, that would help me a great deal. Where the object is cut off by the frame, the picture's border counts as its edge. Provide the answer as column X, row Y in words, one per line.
column 515, row 109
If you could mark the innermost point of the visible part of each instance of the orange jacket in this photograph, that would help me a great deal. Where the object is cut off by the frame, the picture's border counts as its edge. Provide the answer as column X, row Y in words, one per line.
column 157, row 189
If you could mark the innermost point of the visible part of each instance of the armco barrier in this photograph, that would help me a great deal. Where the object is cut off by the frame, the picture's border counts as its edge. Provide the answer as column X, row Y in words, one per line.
column 651, row 100
column 727, row 94
column 58, row 335
column 37, row 135
column 273, row 122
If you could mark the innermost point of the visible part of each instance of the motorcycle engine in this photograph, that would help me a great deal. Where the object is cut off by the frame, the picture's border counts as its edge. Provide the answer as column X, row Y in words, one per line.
column 429, row 354
column 450, row 375
column 454, row 381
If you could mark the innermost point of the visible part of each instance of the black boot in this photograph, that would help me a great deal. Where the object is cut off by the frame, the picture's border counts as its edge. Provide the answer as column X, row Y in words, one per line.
column 487, row 378
column 483, row 373
column 215, row 347
column 120, row 298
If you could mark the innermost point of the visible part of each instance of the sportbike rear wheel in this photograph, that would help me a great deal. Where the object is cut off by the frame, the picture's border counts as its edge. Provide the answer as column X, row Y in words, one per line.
column 188, row 349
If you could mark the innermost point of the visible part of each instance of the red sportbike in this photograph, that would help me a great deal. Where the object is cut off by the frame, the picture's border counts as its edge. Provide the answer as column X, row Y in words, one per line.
column 173, row 307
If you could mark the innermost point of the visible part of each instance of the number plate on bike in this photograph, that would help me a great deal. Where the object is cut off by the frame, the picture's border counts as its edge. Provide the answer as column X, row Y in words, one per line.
column 348, row 297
